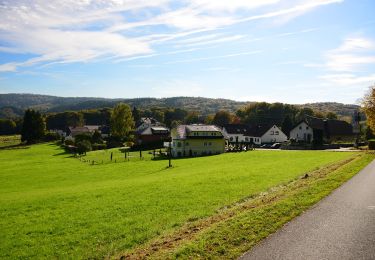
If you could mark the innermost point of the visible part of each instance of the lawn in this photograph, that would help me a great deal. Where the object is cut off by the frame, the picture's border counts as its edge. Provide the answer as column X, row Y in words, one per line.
column 56, row 206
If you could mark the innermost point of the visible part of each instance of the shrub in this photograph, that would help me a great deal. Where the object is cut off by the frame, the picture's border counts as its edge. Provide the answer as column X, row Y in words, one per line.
column 113, row 142
column 129, row 144
column 99, row 147
column 96, row 138
column 68, row 142
column 51, row 136
column 83, row 147
column 82, row 137
column 371, row 144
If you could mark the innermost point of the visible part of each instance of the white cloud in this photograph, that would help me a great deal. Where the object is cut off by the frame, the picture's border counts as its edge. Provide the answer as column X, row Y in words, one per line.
column 351, row 55
column 355, row 44
column 231, row 6
column 348, row 79
column 86, row 30
column 8, row 67
column 347, row 62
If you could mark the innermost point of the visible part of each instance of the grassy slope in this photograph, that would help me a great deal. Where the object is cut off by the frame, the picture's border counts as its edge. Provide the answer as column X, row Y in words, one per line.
column 53, row 205
column 236, row 230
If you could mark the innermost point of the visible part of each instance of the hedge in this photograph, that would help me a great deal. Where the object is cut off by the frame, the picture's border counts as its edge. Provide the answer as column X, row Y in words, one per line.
column 371, row 144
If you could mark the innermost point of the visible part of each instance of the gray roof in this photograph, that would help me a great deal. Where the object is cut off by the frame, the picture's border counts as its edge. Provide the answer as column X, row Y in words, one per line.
column 182, row 130
column 151, row 129
column 202, row 128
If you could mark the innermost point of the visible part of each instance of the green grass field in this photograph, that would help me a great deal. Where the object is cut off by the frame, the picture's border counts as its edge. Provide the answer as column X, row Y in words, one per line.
column 55, row 206
column 9, row 140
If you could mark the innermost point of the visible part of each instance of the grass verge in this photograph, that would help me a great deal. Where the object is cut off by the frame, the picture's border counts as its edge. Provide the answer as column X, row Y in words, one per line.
column 236, row 229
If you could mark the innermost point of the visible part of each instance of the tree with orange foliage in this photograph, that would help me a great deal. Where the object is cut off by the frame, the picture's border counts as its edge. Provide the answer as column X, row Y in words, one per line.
column 369, row 107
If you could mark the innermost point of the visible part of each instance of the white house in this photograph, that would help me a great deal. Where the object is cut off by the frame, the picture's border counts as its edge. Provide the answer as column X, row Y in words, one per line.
column 197, row 140
column 302, row 132
column 240, row 133
column 272, row 134
column 322, row 130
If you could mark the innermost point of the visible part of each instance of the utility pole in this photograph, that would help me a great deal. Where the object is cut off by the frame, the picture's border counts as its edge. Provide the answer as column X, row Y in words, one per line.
column 170, row 154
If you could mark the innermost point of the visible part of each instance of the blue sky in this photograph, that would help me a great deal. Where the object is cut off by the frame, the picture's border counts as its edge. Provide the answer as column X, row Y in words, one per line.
column 292, row 51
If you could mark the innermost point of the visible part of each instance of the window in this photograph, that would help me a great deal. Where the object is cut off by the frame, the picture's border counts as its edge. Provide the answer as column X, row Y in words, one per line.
column 307, row 128
column 246, row 139
column 276, row 132
column 231, row 138
column 300, row 128
column 271, row 133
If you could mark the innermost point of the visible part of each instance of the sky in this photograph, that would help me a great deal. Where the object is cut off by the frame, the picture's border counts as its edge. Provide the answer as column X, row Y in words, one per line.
column 290, row 51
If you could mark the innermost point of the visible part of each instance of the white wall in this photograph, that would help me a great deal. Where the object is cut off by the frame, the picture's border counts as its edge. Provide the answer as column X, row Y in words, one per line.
column 274, row 135
column 301, row 132
column 243, row 138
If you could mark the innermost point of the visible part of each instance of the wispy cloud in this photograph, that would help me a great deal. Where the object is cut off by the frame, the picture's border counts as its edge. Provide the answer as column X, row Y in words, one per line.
column 346, row 65
column 348, row 79
column 351, row 55
column 82, row 31
column 216, row 57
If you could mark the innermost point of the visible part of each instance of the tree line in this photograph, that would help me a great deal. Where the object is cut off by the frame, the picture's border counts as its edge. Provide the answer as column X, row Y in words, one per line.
column 283, row 115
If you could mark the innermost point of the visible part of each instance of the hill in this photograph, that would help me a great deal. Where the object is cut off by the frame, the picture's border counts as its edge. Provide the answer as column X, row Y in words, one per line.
column 12, row 105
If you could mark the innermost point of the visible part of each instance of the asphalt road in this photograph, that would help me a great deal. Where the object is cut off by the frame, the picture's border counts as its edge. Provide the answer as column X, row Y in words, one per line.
column 341, row 226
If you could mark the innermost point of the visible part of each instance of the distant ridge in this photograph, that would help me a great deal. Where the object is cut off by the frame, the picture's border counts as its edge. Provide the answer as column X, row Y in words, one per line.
column 13, row 105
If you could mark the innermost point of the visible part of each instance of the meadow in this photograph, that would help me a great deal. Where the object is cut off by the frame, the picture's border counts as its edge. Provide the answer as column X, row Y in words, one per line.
column 53, row 205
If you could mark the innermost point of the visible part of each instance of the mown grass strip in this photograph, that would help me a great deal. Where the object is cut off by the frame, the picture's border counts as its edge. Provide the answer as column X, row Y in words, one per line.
column 236, row 229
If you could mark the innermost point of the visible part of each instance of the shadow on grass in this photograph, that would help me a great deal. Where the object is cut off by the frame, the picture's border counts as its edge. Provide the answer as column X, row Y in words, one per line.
column 64, row 153
column 15, row 146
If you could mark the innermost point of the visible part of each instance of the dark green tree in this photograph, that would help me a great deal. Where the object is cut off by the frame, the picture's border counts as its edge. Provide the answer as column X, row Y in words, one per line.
column 96, row 138
column 136, row 114
column 7, row 127
column 33, row 128
column 83, row 147
column 287, row 125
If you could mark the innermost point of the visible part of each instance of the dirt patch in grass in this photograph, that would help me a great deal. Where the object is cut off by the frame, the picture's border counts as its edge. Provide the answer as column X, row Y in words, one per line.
column 186, row 241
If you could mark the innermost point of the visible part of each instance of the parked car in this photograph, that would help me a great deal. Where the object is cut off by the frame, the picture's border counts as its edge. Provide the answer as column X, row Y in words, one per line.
column 266, row 146
column 276, row 146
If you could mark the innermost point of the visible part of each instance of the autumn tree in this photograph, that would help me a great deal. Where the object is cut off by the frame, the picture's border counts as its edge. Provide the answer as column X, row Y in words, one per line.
column 222, row 118
column 331, row 115
column 121, row 121
column 369, row 107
